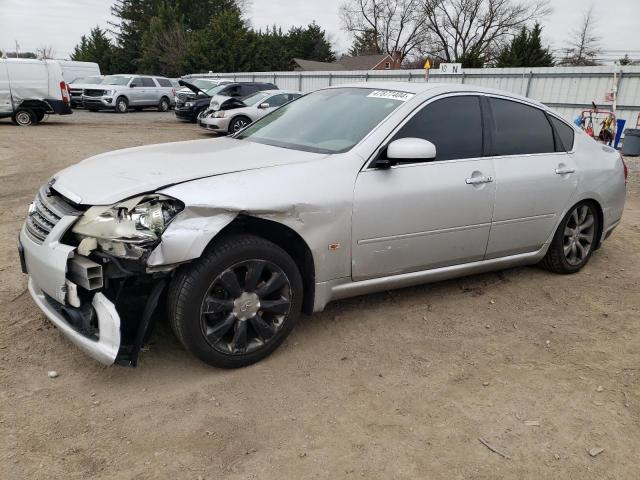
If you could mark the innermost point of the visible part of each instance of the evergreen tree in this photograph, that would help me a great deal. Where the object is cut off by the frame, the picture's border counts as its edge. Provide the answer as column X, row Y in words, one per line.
column 526, row 50
column 310, row 43
column 96, row 47
column 365, row 43
column 224, row 45
column 165, row 43
column 626, row 60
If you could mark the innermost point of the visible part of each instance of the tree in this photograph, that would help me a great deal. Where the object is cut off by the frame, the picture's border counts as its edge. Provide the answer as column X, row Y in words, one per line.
column 473, row 32
column 365, row 43
column 626, row 60
column 584, row 45
column 165, row 43
column 525, row 50
column 97, row 47
column 310, row 43
column 396, row 25
column 224, row 45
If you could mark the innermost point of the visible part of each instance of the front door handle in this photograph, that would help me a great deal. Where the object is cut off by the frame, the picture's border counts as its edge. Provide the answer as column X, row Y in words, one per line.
column 478, row 180
column 564, row 170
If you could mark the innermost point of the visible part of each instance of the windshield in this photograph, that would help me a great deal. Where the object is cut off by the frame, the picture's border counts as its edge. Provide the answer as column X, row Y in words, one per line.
column 113, row 80
column 215, row 90
column 203, row 84
column 326, row 121
column 255, row 98
column 88, row 80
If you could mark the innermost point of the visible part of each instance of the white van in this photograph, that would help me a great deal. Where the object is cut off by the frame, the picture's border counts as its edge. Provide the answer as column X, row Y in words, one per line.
column 72, row 70
column 29, row 89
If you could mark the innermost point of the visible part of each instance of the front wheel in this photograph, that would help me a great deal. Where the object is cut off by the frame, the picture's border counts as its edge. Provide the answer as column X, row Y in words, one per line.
column 238, row 124
column 237, row 303
column 574, row 241
column 122, row 105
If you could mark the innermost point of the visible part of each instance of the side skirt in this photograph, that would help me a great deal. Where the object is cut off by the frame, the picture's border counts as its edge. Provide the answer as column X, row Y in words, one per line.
column 344, row 287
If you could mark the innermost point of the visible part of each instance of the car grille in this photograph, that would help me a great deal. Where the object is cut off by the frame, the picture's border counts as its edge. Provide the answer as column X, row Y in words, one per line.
column 75, row 92
column 46, row 211
column 93, row 93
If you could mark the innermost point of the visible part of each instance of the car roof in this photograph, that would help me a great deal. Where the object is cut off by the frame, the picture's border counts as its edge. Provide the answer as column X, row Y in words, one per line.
column 279, row 91
column 432, row 89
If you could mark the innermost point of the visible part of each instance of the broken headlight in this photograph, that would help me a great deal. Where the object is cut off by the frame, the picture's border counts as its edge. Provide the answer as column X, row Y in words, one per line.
column 126, row 229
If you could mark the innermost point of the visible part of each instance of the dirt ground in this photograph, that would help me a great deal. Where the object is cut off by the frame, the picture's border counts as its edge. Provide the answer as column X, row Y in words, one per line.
column 398, row 385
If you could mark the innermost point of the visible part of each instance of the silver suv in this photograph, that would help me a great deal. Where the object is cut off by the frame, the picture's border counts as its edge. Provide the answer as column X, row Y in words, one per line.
column 124, row 92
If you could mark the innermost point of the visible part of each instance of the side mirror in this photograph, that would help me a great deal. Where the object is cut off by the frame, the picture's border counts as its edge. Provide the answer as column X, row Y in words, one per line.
column 131, row 85
column 264, row 105
column 411, row 149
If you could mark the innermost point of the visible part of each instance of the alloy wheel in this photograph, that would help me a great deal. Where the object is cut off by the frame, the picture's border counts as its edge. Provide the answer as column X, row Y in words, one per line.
column 245, row 307
column 239, row 125
column 579, row 233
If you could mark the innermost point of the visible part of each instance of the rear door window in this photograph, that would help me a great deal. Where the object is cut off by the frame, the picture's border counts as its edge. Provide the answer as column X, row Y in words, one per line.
column 520, row 129
column 453, row 125
column 565, row 133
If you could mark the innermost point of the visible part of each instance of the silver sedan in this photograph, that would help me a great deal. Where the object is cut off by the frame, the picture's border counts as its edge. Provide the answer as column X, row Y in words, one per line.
column 346, row 191
column 230, row 115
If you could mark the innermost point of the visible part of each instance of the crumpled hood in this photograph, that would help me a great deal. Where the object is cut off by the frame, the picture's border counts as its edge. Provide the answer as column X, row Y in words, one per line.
column 111, row 177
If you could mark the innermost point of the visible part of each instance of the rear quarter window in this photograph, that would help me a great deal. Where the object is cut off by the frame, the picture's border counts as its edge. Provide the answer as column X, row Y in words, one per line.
column 566, row 134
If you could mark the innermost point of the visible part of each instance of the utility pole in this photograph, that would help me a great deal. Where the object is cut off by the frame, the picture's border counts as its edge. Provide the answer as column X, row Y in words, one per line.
column 17, row 52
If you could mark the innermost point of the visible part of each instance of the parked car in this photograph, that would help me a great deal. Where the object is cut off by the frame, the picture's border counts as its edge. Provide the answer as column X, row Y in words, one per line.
column 348, row 190
column 232, row 115
column 185, row 94
column 77, row 86
column 190, row 110
column 124, row 92
column 31, row 89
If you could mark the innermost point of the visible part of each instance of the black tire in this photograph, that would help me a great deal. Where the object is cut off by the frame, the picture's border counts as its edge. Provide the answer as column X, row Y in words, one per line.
column 24, row 117
column 122, row 105
column 40, row 115
column 164, row 104
column 214, row 336
column 238, row 124
column 569, row 236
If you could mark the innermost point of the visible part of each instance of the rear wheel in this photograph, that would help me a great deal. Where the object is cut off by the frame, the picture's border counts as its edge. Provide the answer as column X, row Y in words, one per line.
column 237, row 303
column 24, row 117
column 238, row 124
column 163, row 106
column 574, row 241
column 122, row 105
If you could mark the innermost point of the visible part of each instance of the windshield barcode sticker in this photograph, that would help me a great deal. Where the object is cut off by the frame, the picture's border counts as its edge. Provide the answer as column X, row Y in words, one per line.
column 391, row 94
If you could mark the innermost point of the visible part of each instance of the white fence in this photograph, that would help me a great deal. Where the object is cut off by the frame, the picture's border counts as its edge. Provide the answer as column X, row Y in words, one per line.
column 568, row 90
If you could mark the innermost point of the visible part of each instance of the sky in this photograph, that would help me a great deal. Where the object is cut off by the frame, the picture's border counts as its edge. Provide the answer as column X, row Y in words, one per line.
column 60, row 23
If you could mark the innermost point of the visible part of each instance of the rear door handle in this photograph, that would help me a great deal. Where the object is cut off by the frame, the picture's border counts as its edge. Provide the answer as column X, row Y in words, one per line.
column 564, row 171
column 478, row 180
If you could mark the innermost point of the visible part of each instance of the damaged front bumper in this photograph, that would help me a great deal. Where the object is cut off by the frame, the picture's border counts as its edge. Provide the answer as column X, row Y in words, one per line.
column 108, row 326
column 46, row 265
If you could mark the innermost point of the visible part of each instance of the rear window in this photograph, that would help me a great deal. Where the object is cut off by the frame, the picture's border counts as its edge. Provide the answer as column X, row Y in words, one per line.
column 520, row 129
column 164, row 82
column 566, row 134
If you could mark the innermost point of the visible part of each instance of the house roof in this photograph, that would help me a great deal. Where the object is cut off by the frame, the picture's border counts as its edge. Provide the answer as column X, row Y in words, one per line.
column 313, row 66
column 362, row 62
column 346, row 62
